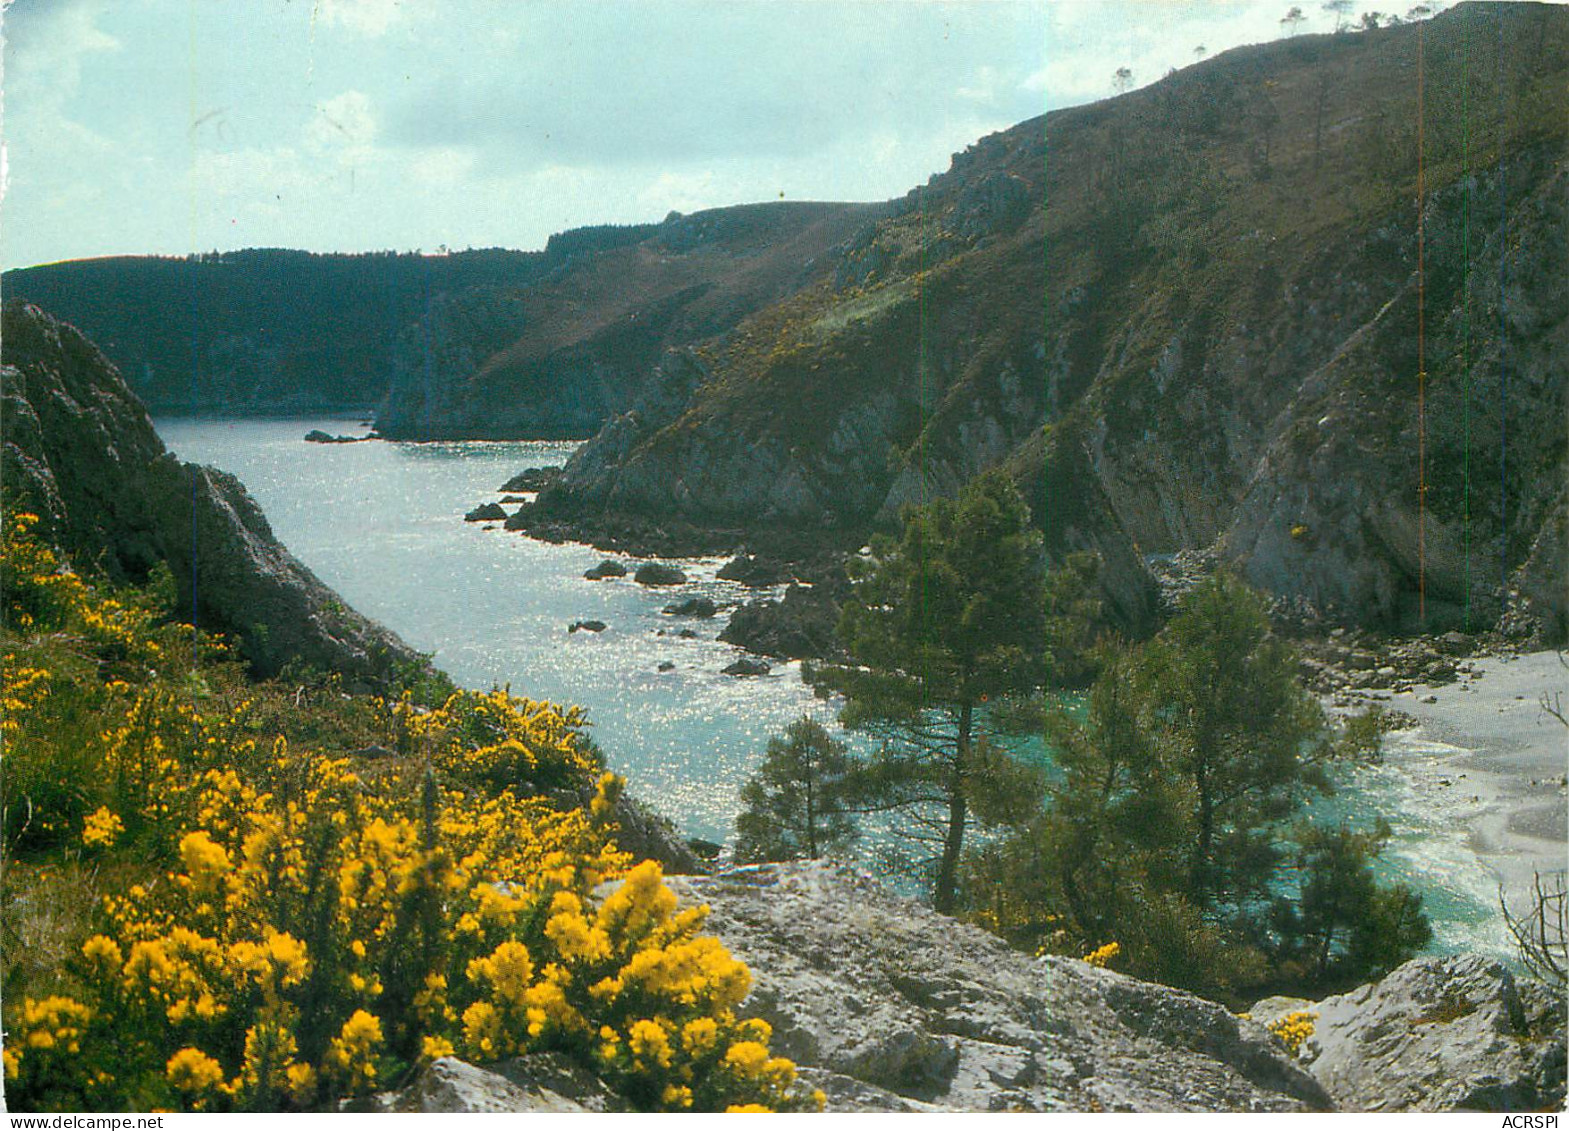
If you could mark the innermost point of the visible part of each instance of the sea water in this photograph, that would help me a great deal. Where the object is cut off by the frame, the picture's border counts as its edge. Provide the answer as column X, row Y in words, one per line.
column 382, row 523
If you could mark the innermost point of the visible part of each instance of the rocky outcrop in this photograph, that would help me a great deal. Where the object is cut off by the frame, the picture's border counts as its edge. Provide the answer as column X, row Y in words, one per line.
column 700, row 607
column 539, row 1083
column 754, row 571
column 656, row 574
column 80, row 450
column 1440, row 1034
column 901, row 1008
column 888, row 1006
column 800, row 626
column 486, row 512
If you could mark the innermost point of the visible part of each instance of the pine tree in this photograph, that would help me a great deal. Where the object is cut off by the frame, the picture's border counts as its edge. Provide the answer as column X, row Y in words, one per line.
column 942, row 627
column 793, row 807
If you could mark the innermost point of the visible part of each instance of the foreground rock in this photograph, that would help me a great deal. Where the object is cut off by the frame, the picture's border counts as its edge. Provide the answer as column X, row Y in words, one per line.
column 80, row 451
column 888, row 1006
column 542, row 1082
column 1441, row 1034
column 894, row 1007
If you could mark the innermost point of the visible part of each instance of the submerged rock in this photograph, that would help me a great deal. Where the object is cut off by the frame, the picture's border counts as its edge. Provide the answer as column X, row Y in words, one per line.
column 317, row 436
column 587, row 626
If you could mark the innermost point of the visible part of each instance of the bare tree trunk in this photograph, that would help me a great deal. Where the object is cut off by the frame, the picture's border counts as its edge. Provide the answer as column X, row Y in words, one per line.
column 953, row 843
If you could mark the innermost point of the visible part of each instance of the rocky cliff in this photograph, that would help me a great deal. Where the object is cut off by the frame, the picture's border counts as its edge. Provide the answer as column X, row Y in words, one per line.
column 80, row 451
column 562, row 355
column 887, row 1006
column 1270, row 304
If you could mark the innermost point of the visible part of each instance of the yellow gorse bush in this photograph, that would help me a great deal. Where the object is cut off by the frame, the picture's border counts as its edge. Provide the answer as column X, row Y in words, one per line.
column 313, row 929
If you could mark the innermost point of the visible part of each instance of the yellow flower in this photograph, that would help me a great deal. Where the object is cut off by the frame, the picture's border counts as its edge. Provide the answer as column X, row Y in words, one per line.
column 205, row 861
column 700, row 1035
column 301, row 1082
column 351, row 1053
column 102, row 951
column 747, row 1109
column 676, row 1096
column 434, row 1048
column 508, row 970
column 193, row 1071
column 1102, row 956
column 747, row 1058
column 650, row 1043
column 101, row 828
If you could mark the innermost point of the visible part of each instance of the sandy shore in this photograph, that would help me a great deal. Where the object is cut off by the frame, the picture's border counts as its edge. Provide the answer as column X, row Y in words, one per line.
column 1510, row 757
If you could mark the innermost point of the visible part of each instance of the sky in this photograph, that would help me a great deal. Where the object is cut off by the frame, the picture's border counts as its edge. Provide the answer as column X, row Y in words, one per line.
column 175, row 126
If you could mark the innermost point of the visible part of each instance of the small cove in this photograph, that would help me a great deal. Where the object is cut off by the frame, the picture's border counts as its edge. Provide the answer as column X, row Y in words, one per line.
column 382, row 524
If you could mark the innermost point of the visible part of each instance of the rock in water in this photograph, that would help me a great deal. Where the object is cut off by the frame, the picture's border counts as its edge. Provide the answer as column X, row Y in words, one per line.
column 747, row 666
column 802, row 626
column 606, row 568
column 753, row 572
column 534, row 479
column 695, row 607
column 1440, row 1034
column 486, row 512
column 587, row 626
column 658, row 573
column 890, row 1006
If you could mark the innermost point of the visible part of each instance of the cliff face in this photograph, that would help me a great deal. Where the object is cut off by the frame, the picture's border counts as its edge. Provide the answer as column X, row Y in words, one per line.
column 563, row 354
column 1192, row 316
column 80, row 451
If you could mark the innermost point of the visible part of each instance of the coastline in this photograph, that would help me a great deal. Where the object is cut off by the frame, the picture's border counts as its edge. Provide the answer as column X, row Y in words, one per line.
column 1487, row 739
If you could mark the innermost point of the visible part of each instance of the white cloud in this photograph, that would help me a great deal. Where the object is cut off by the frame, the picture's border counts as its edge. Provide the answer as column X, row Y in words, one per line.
column 344, row 125
column 366, row 17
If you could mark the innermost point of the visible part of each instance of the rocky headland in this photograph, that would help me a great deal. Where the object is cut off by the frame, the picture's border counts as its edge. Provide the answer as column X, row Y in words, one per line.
column 79, row 450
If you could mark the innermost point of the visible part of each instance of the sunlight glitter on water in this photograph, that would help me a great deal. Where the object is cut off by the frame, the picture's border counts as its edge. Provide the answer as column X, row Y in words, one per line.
column 382, row 524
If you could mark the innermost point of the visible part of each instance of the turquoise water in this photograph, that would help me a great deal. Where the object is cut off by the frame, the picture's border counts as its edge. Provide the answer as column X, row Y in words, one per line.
column 382, row 524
